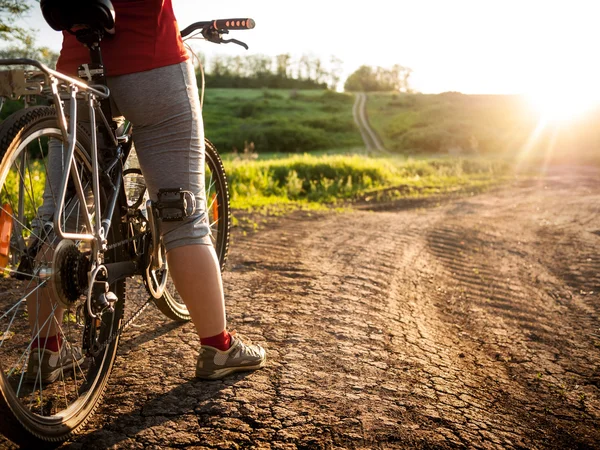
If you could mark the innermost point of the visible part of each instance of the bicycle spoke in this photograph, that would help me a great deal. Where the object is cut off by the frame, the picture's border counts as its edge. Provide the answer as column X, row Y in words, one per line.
column 76, row 362
column 16, row 219
column 12, row 319
column 22, row 299
column 210, row 206
column 23, row 372
column 23, row 181
column 39, row 351
column 27, row 351
column 81, row 195
column 34, row 203
column 50, row 185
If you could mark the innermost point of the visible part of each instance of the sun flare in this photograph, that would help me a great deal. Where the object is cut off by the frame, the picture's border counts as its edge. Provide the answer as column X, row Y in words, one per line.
column 563, row 106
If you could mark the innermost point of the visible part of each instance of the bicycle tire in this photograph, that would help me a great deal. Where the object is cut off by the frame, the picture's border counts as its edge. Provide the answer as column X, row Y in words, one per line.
column 217, row 197
column 218, row 205
column 31, row 413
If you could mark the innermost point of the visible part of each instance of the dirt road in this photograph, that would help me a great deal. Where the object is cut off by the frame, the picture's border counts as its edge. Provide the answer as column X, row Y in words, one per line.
column 359, row 112
column 466, row 323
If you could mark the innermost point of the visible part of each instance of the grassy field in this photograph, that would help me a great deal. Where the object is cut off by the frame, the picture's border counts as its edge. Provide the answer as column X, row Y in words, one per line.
column 295, row 121
column 336, row 180
column 496, row 125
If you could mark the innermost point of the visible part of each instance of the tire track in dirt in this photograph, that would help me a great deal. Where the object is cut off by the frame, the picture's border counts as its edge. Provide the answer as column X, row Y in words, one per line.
column 502, row 276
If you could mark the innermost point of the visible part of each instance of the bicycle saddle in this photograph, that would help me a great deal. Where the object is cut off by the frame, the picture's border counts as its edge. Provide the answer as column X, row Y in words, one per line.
column 66, row 14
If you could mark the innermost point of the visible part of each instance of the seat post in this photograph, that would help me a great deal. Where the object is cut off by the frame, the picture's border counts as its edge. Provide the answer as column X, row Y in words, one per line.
column 91, row 39
column 94, row 71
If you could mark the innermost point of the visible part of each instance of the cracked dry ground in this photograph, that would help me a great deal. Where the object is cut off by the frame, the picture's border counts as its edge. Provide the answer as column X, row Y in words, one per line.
column 467, row 323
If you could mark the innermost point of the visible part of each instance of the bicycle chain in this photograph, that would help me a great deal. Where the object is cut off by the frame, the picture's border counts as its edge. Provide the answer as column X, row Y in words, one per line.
column 126, row 241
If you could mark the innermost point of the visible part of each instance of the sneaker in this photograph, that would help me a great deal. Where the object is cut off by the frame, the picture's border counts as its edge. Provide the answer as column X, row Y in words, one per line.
column 214, row 364
column 53, row 364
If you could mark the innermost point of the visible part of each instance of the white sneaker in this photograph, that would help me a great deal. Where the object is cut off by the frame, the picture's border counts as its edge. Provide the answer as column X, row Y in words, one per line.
column 53, row 364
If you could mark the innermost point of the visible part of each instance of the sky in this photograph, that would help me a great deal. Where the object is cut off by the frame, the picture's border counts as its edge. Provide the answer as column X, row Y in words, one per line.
column 470, row 46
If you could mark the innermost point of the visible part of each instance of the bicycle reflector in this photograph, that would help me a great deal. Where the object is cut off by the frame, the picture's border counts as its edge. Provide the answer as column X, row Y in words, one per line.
column 215, row 208
column 5, row 231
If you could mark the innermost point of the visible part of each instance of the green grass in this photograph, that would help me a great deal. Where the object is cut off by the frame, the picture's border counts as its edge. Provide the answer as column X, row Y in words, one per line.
column 34, row 179
column 310, row 181
column 288, row 121
column 418, row 123
column 324, row 179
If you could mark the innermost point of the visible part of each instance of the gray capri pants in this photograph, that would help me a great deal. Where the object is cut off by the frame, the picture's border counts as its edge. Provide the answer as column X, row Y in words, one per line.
column 168, row 134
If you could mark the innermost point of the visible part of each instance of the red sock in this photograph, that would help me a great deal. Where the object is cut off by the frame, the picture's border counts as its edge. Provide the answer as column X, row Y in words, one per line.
column 221, row 341
column 51, row 343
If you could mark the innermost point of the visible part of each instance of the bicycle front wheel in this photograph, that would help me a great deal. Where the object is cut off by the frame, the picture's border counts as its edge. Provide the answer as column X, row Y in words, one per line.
column 54, row 359
column 219, row 217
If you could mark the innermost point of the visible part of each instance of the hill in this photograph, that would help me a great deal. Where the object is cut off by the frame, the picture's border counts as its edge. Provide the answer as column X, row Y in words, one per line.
column 478, row 124
column 279, row 120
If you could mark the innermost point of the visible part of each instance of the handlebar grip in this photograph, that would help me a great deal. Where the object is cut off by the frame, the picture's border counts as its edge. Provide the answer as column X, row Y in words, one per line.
column 234, row 24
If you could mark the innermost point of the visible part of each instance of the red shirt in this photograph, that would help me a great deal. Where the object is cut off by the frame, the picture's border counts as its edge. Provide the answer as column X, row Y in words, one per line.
column 146, row 37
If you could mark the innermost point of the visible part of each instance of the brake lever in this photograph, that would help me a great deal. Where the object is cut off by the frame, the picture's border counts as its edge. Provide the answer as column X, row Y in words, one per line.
column 213, row 35
column 235, row 41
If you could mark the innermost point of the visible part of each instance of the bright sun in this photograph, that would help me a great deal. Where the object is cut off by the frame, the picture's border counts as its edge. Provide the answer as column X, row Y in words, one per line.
column 555, row 105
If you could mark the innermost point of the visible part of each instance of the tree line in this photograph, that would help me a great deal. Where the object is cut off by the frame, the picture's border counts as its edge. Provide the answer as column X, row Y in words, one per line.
column 306, row 72
column 280, row 71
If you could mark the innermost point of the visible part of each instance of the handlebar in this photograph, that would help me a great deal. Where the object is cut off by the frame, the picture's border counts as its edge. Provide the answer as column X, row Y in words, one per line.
column 221, row 24
column 213, row 30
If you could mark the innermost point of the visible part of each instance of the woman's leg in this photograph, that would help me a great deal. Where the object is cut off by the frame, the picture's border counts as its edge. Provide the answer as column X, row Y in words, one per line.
column 164, row 108
column 205, row 296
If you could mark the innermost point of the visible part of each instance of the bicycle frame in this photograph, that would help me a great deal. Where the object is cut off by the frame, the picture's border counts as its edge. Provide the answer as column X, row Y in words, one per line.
column 77, row 90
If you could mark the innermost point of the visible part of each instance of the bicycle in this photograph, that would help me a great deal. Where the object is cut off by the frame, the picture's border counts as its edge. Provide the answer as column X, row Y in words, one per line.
column 103, row 231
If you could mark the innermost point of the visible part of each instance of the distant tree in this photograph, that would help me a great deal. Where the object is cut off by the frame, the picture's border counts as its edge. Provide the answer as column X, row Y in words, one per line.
column 367, row 78
column 320, row 73
column 283, row 65
column 259, row 65
column 219, row 66
column 10, row 12
column 363, row 79
column 237, row 66
column 399, row 76
column 335, row 72
column 304, row 66
column 29, row 49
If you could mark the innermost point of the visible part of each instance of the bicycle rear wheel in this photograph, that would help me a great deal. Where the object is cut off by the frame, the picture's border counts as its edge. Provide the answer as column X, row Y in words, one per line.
column 43, row 282
column 219, row 216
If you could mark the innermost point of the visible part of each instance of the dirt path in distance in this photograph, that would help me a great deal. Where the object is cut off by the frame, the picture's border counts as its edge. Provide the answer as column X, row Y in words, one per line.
column 469, row 323
column 369, row 136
